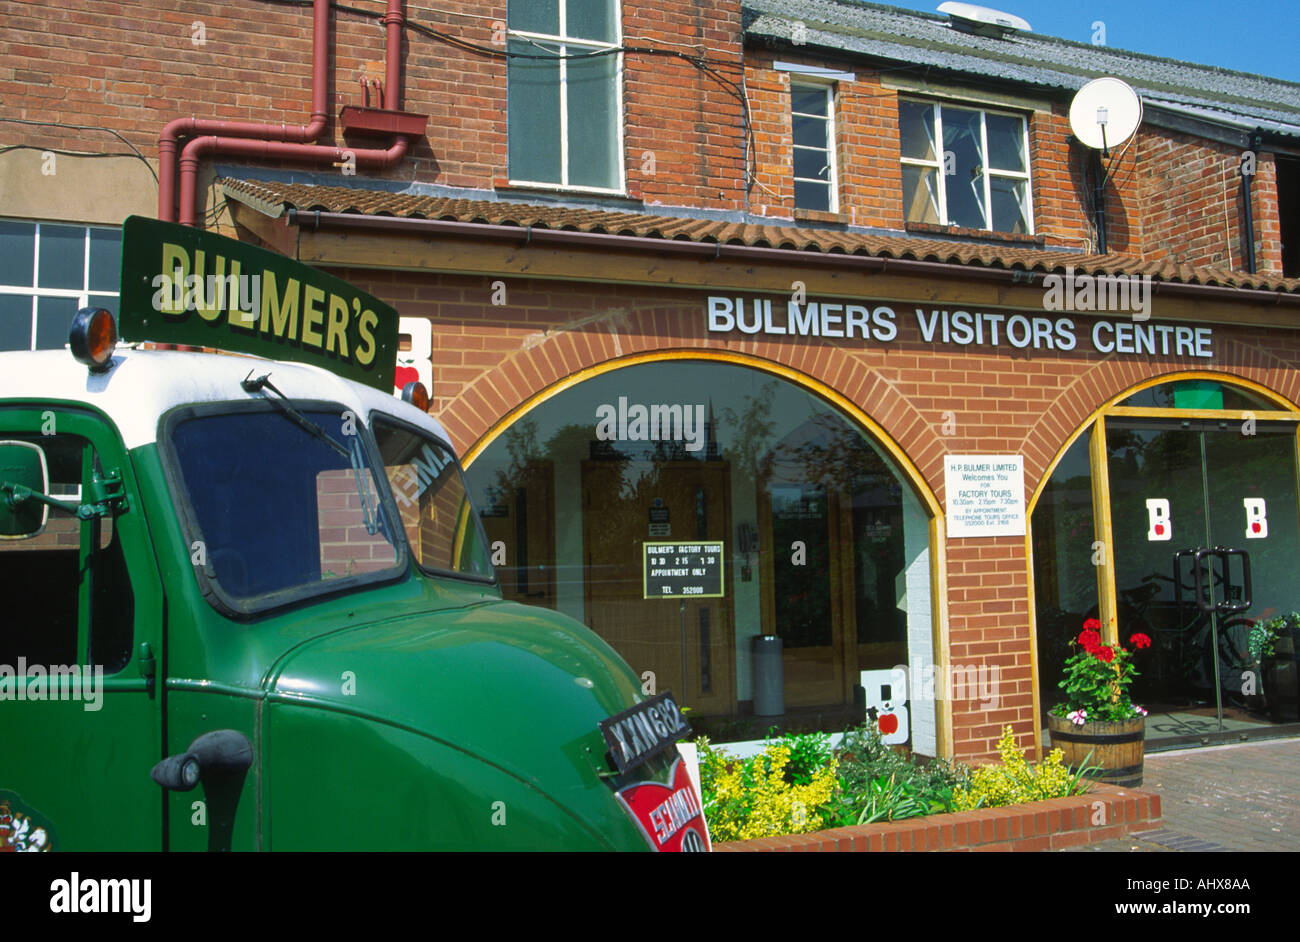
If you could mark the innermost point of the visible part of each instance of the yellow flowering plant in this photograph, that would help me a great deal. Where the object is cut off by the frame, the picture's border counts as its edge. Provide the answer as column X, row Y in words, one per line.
column 1016, row 780
column 797, row 784
column 748, row 798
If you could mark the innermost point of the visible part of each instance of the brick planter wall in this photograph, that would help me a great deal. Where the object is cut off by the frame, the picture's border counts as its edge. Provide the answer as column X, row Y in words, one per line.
column 1042, row 825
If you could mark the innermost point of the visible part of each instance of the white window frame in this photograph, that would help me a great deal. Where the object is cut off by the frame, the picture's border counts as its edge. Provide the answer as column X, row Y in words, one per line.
column 592, row 45
column 989, row 172
column 82, row 294
column 804, row 83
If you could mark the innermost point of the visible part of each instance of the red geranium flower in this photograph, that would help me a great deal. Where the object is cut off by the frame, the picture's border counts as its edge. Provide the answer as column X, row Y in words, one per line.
column 1092, row 625
column 1089, row 639
column 1140, row 641
column 1104, row 653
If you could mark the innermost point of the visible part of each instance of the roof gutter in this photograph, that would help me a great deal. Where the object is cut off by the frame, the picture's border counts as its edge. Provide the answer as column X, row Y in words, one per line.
column 313, row 220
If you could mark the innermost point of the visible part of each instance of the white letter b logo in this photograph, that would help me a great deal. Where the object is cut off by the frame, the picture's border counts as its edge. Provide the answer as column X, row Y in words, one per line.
column 1158, row 515
column 1256, row 518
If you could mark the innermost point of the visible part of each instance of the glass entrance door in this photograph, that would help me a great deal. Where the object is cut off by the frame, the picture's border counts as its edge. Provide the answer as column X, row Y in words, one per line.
column 1206, row 542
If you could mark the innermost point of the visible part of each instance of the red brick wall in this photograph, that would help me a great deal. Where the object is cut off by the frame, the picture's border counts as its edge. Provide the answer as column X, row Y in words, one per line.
column 685, row 142
column 1268, row 221
column 769, row 104
column 488, row 360
column 1190, row 193
column 132, row 65
column 346, row 549
column 1063, row 188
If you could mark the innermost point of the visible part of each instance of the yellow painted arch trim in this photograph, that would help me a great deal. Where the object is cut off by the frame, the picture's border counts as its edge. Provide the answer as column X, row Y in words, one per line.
column 817, row 387
column 1226, row 378
column 462, row 527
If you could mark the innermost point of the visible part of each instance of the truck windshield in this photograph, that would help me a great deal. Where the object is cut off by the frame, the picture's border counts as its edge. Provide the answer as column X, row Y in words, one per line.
column 277, row 510
column 441, row 526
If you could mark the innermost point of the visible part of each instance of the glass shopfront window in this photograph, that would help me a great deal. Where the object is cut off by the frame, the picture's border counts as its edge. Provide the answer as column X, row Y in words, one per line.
column 1066, row 556
column 610, row 500
column 1200, row 544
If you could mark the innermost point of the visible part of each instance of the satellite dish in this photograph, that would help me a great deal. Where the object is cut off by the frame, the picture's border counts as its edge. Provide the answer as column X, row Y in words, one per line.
column 1105, row 113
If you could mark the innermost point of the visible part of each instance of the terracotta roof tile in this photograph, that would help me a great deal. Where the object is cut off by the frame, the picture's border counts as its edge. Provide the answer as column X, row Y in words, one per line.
column 272, row 198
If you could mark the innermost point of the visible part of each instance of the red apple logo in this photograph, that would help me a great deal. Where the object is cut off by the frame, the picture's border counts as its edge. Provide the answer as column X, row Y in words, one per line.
column 404, row 375
column 888, row 724
column 1160, row 529
column 1255, row 528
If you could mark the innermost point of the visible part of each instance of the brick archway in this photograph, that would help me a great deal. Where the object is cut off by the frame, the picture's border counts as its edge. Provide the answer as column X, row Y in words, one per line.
column 1112, row 378
column 563, row 358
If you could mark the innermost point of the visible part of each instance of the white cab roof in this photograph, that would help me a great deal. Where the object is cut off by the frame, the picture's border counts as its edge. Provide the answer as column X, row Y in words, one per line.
column 143, row 384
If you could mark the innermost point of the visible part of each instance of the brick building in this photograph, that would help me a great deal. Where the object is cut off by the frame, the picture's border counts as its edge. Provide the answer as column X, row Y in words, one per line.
column 768, row 274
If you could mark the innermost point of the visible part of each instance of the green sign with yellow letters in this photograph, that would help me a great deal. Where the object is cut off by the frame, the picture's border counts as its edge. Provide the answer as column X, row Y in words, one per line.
column 186, row 286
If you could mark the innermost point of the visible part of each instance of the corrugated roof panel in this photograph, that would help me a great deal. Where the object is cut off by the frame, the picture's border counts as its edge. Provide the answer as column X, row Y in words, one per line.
column 927, row 39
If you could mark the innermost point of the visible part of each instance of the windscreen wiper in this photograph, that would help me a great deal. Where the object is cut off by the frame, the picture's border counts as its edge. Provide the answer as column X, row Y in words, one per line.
column 369, row 513
column 264, row 382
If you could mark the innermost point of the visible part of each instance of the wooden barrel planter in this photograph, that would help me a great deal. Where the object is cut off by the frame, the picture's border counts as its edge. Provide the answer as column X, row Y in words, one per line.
column 1116, row 747
column 1281, row 671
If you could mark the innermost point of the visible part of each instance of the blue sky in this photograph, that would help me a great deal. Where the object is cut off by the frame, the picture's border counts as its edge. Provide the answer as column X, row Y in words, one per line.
column 1261, row 36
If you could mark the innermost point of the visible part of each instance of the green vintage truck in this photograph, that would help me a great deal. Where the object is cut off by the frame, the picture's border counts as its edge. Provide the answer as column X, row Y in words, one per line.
column 251, row 606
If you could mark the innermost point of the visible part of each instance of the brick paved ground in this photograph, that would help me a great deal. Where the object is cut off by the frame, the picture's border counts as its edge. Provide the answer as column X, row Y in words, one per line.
column 1226, row 798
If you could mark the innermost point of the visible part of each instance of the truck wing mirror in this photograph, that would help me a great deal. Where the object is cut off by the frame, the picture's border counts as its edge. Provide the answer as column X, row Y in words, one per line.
column 23, row 474
column 25, row 501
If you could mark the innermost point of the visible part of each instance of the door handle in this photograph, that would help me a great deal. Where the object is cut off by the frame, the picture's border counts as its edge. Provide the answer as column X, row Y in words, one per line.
column 1178, row 574
column 1198, row 571
column 1228, row 606
column 1203, row 592
column 222, row 752
column 220, row 760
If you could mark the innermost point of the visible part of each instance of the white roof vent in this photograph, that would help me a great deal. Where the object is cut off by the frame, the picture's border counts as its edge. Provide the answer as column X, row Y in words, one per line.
column 982, row 21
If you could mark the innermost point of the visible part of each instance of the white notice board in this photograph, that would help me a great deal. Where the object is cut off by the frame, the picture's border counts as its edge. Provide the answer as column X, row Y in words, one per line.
column 985, row 494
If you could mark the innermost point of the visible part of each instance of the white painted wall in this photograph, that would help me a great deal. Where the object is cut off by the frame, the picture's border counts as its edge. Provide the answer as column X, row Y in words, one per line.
column 920, row 623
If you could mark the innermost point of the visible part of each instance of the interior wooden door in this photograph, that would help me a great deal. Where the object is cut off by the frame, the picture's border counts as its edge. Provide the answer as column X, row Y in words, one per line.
column 687, row 643
column 523, row 522
column 803, row 590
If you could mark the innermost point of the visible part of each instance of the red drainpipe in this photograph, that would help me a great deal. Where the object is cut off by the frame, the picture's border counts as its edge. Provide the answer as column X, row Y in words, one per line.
column 233, row 137
column 189, row 127
column 393, row 19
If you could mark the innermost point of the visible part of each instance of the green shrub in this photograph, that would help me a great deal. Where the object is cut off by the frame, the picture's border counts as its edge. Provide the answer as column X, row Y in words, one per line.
column 809, row 753
column 879, row 784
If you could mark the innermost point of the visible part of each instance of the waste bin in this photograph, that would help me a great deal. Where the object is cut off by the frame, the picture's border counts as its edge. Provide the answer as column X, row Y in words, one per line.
column 769, row 676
